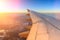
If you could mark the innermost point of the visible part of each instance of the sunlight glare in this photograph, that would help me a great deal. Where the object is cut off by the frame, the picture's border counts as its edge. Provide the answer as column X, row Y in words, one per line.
column 2, row 6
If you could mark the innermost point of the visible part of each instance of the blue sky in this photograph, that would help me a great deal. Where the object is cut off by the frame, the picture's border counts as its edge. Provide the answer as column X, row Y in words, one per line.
column 42, row 5
column 22, row 5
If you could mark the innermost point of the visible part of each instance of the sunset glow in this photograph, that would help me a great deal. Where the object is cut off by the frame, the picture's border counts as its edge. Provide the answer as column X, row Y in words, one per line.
column 9, row 5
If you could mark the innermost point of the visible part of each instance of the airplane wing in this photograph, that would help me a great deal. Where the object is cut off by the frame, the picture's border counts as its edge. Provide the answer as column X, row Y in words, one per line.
column 44, row 27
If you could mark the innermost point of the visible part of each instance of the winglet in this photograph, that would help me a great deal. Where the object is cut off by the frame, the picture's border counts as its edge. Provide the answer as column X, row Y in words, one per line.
column 28, row 10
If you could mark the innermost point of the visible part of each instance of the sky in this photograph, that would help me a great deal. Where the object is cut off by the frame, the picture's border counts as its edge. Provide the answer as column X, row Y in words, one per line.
column 43, row 5
column 22, row 5
column 9, row 5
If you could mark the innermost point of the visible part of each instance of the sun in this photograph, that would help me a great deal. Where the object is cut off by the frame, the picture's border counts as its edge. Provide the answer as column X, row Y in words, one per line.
column 9, row 6
column 2, row 6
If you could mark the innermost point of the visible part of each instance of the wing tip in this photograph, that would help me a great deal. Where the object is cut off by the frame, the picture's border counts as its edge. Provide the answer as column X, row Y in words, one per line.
column 28, row 10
